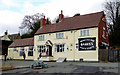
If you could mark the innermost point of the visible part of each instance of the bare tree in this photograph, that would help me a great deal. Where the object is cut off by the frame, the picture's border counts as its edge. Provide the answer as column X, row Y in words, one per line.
column 29, row 21
column 112, row 12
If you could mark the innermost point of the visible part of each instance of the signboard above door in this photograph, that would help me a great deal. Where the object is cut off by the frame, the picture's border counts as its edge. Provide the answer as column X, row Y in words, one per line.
column 87, row 43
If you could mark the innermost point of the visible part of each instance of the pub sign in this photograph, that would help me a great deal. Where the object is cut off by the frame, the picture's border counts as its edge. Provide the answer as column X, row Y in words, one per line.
column 87, row 43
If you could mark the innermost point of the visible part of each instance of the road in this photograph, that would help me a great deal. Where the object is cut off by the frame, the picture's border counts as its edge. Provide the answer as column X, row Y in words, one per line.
column 68, row 67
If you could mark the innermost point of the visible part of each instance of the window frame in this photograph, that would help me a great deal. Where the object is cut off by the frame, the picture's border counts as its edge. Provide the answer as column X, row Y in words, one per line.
column 41, row 37
column 85, row 32
column 59, row 35
column 21, row 51
column 41, row 48
column 30, row 51
column 14, row 49
column 61, row 48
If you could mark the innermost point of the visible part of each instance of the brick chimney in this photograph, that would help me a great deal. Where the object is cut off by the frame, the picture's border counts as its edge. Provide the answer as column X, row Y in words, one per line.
column 6, row 33
column 42, row 22
column 61, row 16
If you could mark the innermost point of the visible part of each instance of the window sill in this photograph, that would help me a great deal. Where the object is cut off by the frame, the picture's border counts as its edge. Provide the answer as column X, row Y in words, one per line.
column 41, row 40
column 60, row 38
column 59, row 52
column 85, row 36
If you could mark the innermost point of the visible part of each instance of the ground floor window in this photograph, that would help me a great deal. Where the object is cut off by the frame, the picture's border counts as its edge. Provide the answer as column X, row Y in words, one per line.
column 21, row 51
column 59, row 47
column 41, row 48
column 30, row 51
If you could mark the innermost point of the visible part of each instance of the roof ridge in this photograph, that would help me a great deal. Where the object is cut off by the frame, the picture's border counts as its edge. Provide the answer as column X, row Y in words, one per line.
column 83, row 15
column 93, row 13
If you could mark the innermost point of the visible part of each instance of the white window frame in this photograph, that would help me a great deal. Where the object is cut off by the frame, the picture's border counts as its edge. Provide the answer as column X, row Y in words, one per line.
column 41, row 48
column 41, row 37
column 21, row 50
column 59, row 35
column 30, row 50
column 85, row 32
column 59, row 51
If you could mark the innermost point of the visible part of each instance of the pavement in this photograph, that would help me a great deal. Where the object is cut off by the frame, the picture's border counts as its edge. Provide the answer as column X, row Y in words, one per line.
column 65, row 67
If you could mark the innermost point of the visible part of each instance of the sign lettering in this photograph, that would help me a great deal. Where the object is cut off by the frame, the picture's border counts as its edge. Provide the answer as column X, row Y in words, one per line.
column 87, row 43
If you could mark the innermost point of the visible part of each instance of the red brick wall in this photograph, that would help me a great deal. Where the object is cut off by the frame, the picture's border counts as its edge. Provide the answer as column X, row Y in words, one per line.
column 100, row 31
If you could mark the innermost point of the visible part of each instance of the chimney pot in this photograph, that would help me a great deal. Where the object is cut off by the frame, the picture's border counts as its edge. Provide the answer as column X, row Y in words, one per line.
column 61, row 16
column 44, row 17
column 6, row 32
column 61, row 12
column 42, row 22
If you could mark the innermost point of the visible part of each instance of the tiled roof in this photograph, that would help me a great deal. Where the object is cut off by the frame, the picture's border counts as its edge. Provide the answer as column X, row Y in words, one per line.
column 14, row 36
column 77, row 22
column 23, row 42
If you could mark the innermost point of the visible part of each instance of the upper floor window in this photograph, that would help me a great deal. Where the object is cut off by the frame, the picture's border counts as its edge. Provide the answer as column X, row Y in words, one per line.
column 41, row 37
column 21, row 51
column 41, row 48
column 14, row 49
column 59, row 35
column 59, row 47
column 84, row 33
column 30, row 51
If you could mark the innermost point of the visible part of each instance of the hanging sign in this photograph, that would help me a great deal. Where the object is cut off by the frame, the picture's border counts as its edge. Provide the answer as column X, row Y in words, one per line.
column 87, row 43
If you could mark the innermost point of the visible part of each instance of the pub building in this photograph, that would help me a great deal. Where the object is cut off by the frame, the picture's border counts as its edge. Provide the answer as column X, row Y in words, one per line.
column 75, row 38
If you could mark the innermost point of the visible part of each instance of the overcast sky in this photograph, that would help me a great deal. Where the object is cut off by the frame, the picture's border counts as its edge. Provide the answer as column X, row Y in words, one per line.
column 12, row 12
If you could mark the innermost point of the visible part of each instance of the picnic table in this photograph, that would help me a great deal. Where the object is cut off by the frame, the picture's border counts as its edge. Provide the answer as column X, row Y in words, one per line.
column 38, row 65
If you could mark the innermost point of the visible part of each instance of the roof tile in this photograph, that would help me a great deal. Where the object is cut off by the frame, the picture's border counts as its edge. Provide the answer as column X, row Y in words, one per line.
column 82, row 21
column 23, row 42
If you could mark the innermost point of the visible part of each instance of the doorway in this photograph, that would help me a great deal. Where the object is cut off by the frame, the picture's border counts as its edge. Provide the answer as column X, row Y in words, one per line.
column 50, row 50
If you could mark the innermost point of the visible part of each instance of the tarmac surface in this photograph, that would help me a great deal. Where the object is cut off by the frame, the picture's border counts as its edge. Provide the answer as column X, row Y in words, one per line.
column 71, row 68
